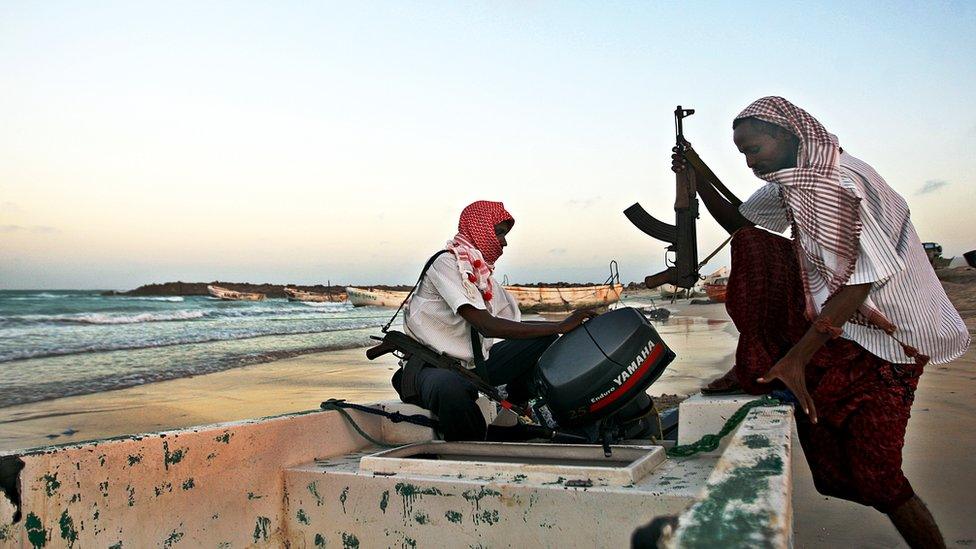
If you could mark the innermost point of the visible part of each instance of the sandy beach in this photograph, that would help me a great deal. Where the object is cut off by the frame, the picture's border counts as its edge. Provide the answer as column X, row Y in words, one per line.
column 289, row 385
column 938, row 453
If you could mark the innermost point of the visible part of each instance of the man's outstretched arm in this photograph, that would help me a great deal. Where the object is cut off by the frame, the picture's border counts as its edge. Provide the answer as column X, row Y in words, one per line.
column 725, row 213
column 791, row 368
column 489, row 325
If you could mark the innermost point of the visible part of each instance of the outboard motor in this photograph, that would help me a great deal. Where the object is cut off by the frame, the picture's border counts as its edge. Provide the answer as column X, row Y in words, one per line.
column 594, row 379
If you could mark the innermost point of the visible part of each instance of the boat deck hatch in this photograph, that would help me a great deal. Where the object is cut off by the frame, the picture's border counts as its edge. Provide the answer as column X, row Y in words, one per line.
column 532, row 462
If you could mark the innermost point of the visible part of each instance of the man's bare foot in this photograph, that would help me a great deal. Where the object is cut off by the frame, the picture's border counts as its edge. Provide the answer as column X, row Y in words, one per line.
column 728, row 384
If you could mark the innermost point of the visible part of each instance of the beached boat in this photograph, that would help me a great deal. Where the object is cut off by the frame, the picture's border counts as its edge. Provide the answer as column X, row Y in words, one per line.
column 669, row 291
column 716, row 289
column 377, row 298
column 310, row 480
column 231, row 295
column 719, row 273
column 294, row 294
column 534, row 299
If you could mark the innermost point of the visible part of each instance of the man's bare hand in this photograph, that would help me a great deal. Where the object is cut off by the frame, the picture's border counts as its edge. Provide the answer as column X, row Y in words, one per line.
column 790, row 371
column 678, row 162
column 575, row 319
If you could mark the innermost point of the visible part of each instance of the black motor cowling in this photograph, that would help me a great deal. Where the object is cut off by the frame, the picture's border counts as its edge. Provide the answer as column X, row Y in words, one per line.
column 598, row 369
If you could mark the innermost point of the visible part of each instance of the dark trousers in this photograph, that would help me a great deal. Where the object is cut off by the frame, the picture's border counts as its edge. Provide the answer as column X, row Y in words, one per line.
column 451, row 398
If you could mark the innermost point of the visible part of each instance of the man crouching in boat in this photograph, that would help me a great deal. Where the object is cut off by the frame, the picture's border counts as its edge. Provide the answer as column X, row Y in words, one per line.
column 458, row 292
column 846, row 315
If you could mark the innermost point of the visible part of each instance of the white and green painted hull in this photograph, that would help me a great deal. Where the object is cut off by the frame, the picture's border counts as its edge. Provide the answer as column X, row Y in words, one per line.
column 296, row 481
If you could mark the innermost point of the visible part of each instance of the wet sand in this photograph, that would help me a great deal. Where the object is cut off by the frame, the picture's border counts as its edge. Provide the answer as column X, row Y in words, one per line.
column 289, row 385
column 938, row 456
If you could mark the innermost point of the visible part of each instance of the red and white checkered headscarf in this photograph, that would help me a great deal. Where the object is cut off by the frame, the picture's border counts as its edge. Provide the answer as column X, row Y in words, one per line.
column 476, row 246
column 820, row 208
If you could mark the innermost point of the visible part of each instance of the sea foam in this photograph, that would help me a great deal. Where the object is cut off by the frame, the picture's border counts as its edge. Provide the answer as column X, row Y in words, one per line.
column 172, row 298
column 109, row 318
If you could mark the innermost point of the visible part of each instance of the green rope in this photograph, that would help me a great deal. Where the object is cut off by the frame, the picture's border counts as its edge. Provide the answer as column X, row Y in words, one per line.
column 328, row 406
column 709, row 443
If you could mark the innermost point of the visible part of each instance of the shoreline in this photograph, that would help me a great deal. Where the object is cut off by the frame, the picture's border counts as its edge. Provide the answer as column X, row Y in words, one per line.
column 280, row 386
column 256, row 360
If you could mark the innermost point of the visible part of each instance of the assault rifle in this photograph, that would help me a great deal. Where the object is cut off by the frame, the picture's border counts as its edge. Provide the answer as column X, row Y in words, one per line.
column 682, row 235
column 417, row 354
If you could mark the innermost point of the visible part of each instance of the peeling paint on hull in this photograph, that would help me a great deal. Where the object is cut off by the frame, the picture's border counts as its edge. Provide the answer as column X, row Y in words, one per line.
column 267, row 483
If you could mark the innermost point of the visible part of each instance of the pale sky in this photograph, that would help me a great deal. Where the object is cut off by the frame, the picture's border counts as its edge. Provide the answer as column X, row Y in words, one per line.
column 299, row 142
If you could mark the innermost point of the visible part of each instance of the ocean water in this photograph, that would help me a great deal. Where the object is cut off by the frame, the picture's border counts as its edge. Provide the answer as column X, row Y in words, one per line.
column 60, row 343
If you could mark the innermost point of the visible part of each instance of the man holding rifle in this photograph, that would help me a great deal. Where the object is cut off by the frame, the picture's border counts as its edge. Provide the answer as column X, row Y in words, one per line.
column 845, row 315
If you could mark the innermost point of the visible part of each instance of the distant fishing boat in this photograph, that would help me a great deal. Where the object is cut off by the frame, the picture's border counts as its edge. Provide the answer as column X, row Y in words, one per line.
column 294, row 294
column 559, row 299
column 231, row 295
column 717, row 288
column 722, row 271
column 361, row 297
column 534, row 299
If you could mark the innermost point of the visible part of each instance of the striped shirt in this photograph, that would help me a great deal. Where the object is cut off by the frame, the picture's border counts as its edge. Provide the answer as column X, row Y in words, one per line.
column 431, row 315
column 904, row 287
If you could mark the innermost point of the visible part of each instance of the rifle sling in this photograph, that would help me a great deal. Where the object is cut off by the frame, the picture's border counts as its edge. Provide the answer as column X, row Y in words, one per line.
column 479, row 358
column 420, row 355
column 412, row 290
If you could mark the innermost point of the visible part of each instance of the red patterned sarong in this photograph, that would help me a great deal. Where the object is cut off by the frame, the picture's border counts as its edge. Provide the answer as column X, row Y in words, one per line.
column 863, row 402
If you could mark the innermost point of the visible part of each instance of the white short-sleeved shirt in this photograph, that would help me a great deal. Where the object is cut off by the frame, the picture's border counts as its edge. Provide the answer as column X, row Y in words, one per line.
column 431, row 315
column 904, row 288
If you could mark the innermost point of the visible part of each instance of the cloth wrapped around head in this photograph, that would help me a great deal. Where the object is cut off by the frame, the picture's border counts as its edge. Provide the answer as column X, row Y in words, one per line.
column 476, row 245
column 825, row 215
column 822, row 211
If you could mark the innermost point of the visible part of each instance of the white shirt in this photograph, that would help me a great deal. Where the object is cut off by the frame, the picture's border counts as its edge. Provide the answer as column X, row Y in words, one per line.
column 431, row 315
column 904, row 287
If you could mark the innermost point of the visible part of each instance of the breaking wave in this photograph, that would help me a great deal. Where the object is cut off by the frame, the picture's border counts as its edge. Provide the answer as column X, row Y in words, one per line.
column 172, row 298
column 174, row 341
column 328, row 306
column 110, row 318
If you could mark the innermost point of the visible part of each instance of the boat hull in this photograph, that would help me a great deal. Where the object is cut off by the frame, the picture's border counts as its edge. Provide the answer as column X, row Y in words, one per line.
column 297, row 480
column 532, row 299
column 716, row 292
column 232, row 295
column 362, row 297
column 669, row 291
column 294, row 294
